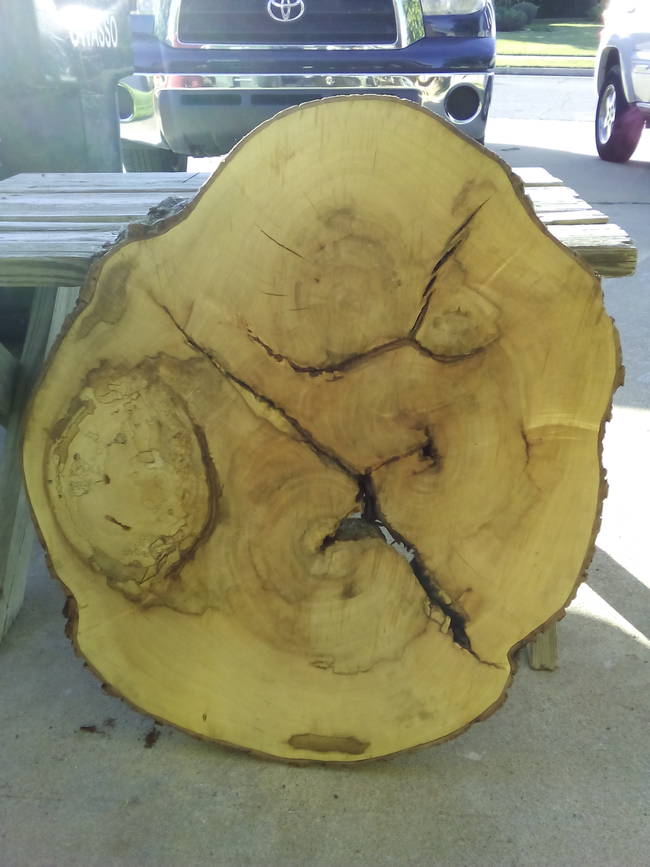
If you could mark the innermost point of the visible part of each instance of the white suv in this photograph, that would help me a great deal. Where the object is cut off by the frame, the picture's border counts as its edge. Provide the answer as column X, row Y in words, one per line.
column 623, row 79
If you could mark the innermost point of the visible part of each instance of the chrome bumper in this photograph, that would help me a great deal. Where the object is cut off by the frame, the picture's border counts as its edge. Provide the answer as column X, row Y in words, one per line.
column 205, row 115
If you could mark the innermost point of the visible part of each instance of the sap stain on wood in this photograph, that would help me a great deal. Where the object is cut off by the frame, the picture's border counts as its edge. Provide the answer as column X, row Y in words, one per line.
column 107, row 307
column 350, row 746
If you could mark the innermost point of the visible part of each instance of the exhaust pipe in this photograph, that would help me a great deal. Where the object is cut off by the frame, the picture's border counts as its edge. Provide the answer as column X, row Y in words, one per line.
column 462, row 104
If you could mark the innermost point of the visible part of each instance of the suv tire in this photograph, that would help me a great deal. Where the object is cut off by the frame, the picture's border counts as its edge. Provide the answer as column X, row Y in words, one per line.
column 140, row 158
column 618, row 124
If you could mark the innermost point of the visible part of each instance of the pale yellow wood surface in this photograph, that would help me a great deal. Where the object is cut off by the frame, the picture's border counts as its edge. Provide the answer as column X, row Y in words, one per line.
column 331, row 329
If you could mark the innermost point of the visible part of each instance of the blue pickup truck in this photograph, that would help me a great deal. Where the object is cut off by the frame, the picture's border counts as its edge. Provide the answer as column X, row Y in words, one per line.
column 208, row 71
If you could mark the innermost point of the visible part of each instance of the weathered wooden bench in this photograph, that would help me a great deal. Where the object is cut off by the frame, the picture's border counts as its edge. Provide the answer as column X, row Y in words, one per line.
column 51, row 228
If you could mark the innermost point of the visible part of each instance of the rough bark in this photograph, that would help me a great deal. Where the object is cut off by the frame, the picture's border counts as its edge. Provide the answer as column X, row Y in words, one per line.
column 316, row 455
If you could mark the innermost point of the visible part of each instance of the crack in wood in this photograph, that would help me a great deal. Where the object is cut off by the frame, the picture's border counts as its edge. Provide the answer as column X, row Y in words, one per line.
column 452, row 246
column 527, row 444
column 306, row 436
column 445, row 359
column 341, row 367
column 353, row 361
column 371, row 517
column 115, row 521
column 456, row 240
column 280, row 244
column 427, row 450
column 430, row 451
column 214, row 495
column 372, row 514
column 371, row 523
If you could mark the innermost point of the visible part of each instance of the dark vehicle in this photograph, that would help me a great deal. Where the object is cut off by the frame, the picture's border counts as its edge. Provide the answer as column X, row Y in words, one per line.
column 59, row 66
column 208, row 71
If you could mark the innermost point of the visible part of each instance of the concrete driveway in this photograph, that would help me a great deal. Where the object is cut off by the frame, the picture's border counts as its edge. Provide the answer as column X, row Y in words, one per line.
column 559, row 776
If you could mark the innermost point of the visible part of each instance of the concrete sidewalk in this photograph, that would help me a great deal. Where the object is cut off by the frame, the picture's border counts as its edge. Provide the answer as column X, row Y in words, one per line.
column 558, row 776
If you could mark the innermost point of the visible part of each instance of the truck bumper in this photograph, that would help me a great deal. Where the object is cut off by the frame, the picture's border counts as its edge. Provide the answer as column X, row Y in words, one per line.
column 206, row 115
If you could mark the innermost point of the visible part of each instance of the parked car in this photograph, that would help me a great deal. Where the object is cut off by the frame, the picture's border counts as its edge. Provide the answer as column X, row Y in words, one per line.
column 209, row 71
column 623, row 79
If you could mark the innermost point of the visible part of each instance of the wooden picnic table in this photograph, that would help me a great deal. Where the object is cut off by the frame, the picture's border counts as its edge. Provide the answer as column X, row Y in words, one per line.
column 52, row 226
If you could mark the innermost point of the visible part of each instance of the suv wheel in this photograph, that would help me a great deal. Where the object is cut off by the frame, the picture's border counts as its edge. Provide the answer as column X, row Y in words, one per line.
column 618, row 124
column 140, row 158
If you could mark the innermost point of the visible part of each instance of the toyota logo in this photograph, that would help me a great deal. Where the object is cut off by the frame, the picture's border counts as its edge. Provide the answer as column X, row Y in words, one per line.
column 286, row 10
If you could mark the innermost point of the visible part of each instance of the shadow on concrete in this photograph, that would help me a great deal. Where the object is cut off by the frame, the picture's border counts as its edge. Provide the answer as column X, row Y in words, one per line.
column 623, row 591
column 600, row 182
column 557, row 776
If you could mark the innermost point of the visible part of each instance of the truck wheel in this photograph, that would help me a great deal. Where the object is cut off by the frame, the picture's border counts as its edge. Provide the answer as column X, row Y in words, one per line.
column 618, row 124
column 140, row 158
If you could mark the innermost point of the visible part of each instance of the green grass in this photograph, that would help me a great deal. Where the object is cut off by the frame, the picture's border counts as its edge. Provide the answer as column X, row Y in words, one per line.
column 552, row 39
column 547, row 62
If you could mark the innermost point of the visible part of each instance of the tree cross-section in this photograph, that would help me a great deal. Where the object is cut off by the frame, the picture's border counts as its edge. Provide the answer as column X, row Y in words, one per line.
column 317, row 454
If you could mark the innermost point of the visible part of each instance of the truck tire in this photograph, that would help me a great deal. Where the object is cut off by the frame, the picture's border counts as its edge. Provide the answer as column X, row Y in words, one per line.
column 140, row 158
column 618, row 124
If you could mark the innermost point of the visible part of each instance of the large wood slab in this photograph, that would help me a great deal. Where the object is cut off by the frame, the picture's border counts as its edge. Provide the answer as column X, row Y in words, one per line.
column 319, row 453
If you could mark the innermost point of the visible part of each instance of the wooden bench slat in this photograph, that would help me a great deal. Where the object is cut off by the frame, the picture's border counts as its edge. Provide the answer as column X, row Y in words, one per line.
column 608, row 235
column 35, row 229
column 98, row 199
column 607, row 248
column 562, row 207
column 573, row 217
column 536, row 176
column 114, row 212
column 144, row 182
column 544, row 195
column 48, row 272
column 26, row 234
column 21, row 240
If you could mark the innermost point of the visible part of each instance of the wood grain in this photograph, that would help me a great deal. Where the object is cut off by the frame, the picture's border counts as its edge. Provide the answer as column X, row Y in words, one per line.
column 317, row 455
